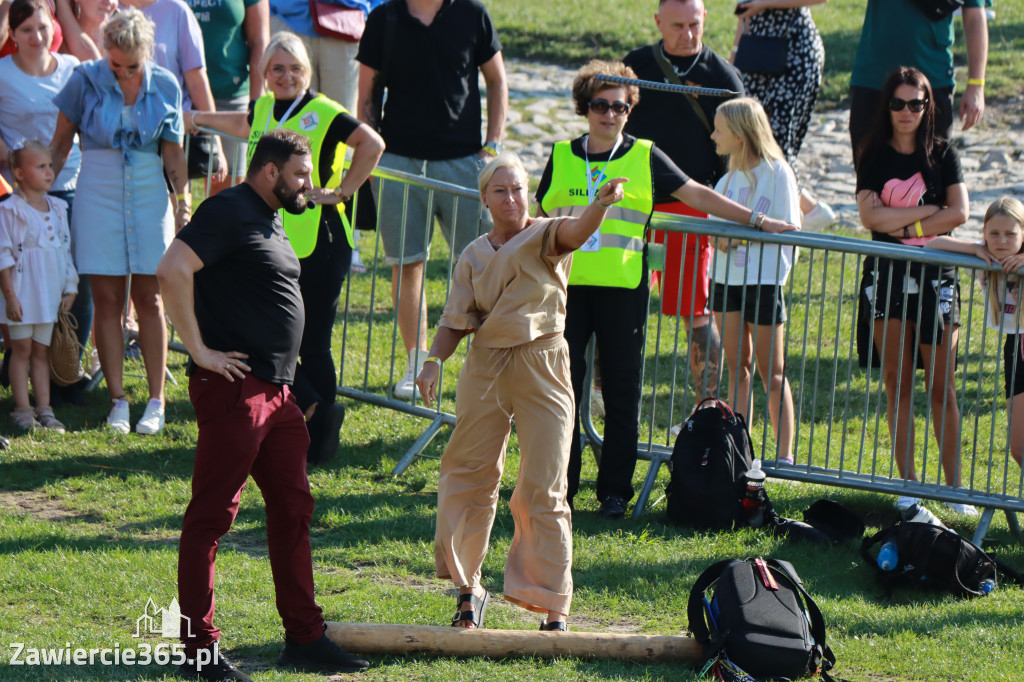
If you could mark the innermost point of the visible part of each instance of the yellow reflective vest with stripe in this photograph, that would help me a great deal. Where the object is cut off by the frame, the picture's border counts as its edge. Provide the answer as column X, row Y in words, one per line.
column 614, row 256
column 313, row 120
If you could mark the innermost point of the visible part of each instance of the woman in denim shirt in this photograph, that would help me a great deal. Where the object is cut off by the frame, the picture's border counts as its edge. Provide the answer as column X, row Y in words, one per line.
column 127, row 112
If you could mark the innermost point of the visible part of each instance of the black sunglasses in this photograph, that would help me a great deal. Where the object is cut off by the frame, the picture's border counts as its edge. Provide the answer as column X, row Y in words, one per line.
column 601, row 106
column 916, row 105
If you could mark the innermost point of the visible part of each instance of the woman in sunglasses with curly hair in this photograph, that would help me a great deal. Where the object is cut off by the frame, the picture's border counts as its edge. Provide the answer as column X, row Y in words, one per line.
column 607, row 293
column 910, row 189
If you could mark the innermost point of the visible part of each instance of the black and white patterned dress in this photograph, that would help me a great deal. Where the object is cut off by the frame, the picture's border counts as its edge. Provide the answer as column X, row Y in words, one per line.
column 789, row 97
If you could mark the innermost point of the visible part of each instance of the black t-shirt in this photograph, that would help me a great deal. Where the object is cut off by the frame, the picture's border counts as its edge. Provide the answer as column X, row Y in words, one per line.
column 669, row 119
column 432, row 109
column 665, row 175
column 902, row 180
column 247, row 294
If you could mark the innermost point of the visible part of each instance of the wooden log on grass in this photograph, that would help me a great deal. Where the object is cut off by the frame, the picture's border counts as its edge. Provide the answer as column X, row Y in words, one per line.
column 382, row 638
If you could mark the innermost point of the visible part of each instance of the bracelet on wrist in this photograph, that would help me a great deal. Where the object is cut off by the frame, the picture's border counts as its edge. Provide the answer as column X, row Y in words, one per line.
column 433, row 359
column 918, row 229
column 976, row 81
column 906, row 231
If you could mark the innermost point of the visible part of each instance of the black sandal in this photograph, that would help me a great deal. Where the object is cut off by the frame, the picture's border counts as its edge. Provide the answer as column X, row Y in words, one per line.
column 476, row 616
column 554, row 626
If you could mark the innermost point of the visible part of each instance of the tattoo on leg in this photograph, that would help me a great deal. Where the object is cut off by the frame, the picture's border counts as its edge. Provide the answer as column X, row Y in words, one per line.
column 705, row 360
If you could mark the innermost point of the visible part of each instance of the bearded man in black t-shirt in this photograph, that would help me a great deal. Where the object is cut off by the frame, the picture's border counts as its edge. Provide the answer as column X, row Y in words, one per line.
column 230, row 282
column 681, row 126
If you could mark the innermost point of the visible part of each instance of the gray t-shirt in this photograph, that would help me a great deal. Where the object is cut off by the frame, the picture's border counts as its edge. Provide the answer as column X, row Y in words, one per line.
column 27, row 111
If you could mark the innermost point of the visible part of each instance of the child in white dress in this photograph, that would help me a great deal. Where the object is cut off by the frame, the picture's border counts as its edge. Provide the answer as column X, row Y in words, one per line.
column 36, row 278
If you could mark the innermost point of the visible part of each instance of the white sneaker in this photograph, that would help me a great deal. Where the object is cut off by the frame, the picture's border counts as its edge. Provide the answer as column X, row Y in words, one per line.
column 117, row 420
column 820, row 217
column 903, row 502
column 152, row 421
column 961, row 508
column 405, row 389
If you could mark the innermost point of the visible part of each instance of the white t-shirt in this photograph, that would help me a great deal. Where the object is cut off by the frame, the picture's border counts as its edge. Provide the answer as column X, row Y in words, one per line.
column 27, row 110
column 774, row 193
column 1011, row 319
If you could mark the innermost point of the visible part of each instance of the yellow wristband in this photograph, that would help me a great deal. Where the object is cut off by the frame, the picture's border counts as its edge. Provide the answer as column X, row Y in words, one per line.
column 433, row 359
column 918, row 229
column 976, row 81
column 180, row 197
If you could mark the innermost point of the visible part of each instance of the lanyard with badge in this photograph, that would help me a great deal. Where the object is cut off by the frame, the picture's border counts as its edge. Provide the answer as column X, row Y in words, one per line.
column 593, row 184
column 287, row 115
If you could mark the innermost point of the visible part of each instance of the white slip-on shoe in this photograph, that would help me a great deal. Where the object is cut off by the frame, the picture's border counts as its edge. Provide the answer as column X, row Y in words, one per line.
column 152, row 421
column 961, row 508
column 819, row 218
column 117, row 420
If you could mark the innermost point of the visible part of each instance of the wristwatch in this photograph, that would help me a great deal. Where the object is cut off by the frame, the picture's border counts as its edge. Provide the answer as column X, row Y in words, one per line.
column 494, row 148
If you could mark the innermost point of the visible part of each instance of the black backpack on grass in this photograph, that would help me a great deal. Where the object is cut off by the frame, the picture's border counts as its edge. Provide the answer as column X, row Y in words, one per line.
column 936, row 556
column 759, row 623
column 709, row 461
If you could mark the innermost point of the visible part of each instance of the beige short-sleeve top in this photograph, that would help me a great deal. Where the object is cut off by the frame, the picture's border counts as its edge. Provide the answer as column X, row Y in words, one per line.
column 514, row 294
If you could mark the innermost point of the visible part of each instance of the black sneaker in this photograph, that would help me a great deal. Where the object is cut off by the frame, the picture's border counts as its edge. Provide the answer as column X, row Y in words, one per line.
column 323, row 655
column 220, row 670
column 613, row 507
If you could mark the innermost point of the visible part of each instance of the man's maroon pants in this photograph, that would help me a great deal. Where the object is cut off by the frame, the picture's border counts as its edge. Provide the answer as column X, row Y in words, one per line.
column 247, row 427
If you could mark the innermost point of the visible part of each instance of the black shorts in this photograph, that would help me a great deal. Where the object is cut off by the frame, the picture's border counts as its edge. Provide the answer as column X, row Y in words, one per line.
column 761, row 304
column 931, row 294
column 1013, row 365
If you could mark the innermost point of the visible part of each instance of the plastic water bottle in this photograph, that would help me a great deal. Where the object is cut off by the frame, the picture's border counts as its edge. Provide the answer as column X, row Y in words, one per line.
column 987, row 585
column 753, row 500
column 918, row 513
column 888, row 558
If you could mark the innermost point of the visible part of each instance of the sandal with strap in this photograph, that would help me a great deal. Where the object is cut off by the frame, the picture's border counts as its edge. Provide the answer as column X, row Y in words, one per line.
column 48, row 420
column 554, row 626
column 476, row 616
column 25, row 419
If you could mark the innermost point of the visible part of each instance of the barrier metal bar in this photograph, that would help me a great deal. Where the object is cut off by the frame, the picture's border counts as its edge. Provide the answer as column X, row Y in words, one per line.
column 864, row 474
column 364, row 392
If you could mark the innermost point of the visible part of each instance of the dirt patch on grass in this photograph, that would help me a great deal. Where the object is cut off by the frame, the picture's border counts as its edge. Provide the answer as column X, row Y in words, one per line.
column 41, row 506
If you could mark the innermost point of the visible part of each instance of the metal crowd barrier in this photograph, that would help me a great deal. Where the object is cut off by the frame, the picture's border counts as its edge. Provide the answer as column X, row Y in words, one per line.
column 841, row 437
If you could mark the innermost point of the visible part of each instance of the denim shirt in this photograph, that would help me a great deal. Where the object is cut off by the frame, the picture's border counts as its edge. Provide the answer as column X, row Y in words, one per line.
column 93, row 101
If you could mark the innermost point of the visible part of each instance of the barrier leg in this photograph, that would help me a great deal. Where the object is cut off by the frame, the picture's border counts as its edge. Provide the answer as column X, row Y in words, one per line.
column 983, row 524
column 645, row 493
column 417, row 447
column 1011, row 521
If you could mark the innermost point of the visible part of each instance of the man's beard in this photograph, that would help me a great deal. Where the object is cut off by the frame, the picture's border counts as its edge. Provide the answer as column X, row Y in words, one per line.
column 294, row 202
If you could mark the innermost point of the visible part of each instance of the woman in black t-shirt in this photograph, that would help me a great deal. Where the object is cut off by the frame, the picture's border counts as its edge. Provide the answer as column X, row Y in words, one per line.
column 910, row 189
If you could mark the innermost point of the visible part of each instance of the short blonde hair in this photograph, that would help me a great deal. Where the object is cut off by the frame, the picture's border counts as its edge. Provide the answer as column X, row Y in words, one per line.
column 130, row 31
column 19, row 149
column 290, row 44
column 502, row 160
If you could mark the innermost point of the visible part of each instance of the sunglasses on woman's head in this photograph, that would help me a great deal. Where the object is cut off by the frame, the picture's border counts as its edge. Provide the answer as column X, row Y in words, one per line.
column 601, row 106
column 916, row 105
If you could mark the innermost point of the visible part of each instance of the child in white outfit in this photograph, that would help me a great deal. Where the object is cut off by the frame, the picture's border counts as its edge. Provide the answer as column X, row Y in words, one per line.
column 36, row 277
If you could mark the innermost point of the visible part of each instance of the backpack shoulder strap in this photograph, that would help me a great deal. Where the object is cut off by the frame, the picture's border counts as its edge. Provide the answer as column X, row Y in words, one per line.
column 817, row 621
column 695, row 606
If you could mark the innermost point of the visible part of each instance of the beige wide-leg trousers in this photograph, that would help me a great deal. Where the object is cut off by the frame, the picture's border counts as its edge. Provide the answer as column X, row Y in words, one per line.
column 529, row 383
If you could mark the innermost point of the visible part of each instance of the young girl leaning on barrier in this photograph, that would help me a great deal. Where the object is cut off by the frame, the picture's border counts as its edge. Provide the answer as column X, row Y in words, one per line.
column 1003, row 243
column 748, row 276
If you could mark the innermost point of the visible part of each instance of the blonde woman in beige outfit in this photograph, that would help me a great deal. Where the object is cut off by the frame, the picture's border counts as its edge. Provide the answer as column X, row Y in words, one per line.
column 508, row 290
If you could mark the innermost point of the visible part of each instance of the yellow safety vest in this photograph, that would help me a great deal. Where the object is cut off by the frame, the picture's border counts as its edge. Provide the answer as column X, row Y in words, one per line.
column 615, row 259
column 313, row 121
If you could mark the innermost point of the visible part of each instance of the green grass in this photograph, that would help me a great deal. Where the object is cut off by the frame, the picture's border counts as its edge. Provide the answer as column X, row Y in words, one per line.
column 89, row 524
column 573, row 31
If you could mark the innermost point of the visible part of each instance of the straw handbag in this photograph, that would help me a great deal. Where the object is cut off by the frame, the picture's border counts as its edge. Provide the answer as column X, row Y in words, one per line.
column 65, row 367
